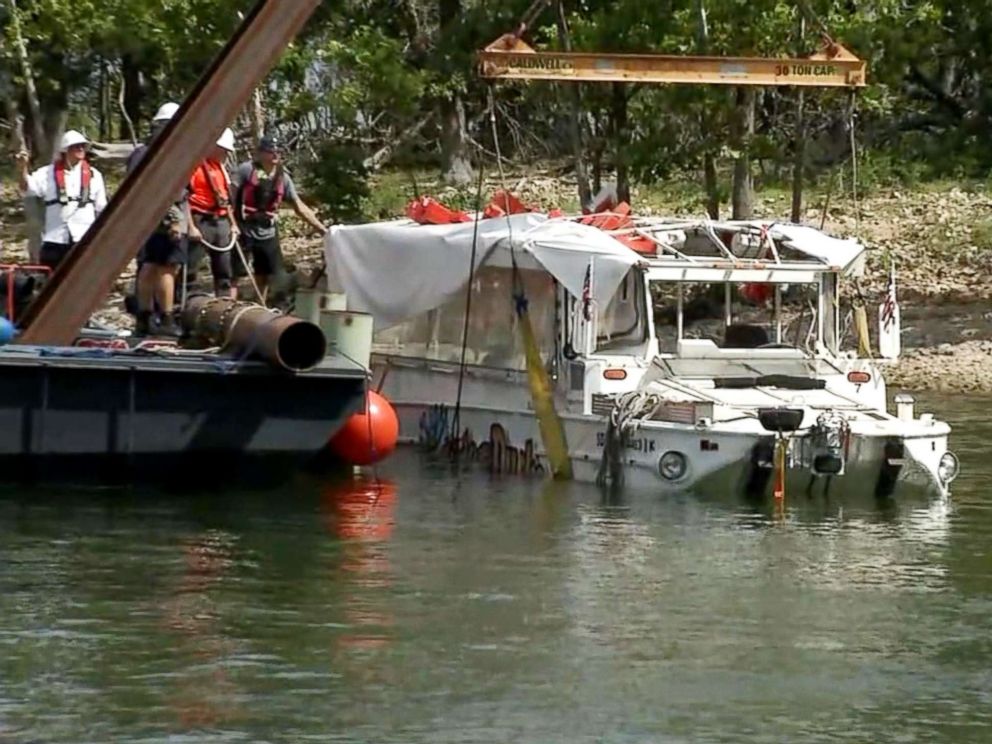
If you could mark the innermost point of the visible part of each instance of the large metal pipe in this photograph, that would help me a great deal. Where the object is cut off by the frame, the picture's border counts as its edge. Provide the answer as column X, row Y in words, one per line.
column 284, row 341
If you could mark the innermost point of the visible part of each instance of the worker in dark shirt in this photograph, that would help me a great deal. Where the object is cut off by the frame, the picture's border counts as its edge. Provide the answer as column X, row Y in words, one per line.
column 165, row 250
column 261, row 187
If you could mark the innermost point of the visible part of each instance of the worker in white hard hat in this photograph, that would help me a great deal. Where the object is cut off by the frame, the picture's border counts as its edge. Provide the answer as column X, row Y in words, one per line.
column 212, row 230
column 163, row 254
column 162, row 117
column 73, row 192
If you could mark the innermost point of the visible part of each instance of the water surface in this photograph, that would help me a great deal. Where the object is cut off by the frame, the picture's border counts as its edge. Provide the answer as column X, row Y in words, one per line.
column 435, row 608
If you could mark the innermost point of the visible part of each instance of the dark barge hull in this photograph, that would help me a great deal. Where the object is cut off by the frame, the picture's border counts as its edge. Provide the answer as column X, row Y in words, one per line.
column 75, row 415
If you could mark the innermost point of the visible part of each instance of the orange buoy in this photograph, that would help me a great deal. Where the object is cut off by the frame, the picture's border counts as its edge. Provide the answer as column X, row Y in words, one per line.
column 370, row 436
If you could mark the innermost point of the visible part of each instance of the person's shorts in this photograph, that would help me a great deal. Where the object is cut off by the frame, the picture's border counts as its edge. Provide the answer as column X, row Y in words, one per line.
column 162, row 250
column 51, row 254
column 266, row 255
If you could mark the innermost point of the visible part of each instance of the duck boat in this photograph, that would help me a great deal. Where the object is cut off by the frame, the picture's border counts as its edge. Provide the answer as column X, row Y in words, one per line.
column 678, row 354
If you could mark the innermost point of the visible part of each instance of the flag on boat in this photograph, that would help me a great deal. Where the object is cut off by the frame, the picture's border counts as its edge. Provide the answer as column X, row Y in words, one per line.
column 889, row 328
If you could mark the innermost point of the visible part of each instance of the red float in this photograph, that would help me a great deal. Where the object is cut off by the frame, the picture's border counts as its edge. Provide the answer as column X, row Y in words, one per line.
column 370, row 436
column 757, row 293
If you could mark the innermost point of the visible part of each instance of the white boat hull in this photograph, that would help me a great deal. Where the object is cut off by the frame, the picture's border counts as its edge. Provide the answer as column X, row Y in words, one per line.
column 508, row 442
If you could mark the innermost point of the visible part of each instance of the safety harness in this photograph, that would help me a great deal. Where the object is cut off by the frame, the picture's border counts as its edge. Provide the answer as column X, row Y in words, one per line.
column 262, row 199
column 62, row 197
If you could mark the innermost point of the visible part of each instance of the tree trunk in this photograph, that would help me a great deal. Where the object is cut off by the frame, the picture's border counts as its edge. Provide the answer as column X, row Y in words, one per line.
column 574, row 93
column 257, row 115
column 11, row 112
column 712, row 185
column 380, row 156
column 620, row 141
column 34, row 210
column 743, row 196
column 104, row 103
column 710, row 181
column 56, row 116
column 131, row 95
column 456, row 168
column 42, row 146
column 799, row 161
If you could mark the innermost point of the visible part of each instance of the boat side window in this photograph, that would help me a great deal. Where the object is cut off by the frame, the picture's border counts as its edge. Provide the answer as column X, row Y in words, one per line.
column 622, row 322
column 493, row 338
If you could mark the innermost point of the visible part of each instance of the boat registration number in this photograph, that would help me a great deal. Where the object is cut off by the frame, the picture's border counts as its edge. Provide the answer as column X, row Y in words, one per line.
column 641, row 444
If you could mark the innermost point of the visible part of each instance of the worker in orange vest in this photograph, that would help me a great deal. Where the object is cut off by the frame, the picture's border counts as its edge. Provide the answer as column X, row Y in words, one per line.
column 73, row 192
column 212, row 229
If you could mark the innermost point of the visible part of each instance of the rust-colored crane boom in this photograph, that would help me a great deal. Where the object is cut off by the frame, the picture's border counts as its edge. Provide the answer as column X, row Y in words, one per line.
column 84, row 279
column 832, row 66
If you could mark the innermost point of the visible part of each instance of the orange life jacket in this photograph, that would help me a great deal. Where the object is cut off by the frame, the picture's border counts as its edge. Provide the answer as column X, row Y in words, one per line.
column 205, row 193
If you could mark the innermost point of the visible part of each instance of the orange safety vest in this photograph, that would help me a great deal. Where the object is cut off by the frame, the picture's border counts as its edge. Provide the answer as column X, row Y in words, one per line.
column 209, row 189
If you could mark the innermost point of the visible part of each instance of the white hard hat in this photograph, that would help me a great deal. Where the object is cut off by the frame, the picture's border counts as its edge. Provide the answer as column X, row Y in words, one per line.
column 72, row 137
column 227, row 140
column 166, row 111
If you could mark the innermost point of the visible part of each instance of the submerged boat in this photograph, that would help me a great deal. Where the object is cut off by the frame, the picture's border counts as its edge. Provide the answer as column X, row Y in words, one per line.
column 680, row 354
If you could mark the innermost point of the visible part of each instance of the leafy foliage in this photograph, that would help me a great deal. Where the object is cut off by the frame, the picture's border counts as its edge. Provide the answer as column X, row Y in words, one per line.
column 367, row 74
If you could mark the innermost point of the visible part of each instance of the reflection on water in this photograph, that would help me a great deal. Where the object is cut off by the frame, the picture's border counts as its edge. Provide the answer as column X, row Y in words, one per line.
column 425, row 607
column 204, row 696
column 359, row 512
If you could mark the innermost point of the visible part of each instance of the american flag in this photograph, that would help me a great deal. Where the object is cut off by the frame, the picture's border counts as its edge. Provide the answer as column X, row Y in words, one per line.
column 889, row 306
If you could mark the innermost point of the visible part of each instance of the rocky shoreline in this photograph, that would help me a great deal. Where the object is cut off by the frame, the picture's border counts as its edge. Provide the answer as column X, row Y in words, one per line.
column 940, row 240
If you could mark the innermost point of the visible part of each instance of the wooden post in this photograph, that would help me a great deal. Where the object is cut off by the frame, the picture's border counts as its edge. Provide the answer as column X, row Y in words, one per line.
column 85, row 277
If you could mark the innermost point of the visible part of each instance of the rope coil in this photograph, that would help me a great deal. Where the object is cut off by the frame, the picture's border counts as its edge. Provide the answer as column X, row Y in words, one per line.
column 629, row 410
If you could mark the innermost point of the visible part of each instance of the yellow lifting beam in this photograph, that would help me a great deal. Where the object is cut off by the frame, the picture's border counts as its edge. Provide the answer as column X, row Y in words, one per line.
column 510, row 58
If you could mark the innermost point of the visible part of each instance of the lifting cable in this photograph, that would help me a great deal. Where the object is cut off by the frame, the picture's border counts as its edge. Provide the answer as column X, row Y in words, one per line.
column 455, row 435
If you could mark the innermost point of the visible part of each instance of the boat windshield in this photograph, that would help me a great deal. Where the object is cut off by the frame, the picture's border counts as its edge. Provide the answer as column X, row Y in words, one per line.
column 746, row 368
column 743, row 316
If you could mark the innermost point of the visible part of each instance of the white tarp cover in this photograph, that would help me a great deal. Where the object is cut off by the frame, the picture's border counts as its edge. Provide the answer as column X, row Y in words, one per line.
column 832, row 251
column 400, row 269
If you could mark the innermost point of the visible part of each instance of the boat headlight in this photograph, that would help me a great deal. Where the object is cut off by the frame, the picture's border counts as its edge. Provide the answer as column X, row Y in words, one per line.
column 672, row 465
column 948, row 468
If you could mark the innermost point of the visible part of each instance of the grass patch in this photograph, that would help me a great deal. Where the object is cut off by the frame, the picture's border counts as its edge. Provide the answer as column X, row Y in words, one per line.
column 981, row 234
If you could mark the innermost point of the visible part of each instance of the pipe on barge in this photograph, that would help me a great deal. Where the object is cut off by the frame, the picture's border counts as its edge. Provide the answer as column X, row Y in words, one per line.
column 251, row 330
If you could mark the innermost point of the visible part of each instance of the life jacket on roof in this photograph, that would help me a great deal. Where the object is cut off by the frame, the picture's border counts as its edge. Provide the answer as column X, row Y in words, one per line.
column 262, row 196
column 62, row 197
